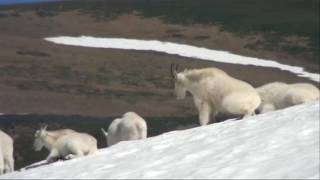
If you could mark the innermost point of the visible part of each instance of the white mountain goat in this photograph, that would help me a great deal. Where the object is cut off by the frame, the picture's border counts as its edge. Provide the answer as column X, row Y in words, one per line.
column 6, row 153
column 130, row 127
column 279, row 95
column 64, row 143
column 215, row 91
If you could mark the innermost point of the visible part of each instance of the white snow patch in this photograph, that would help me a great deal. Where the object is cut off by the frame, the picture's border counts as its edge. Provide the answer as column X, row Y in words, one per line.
column 178, row 49
column 279, row 145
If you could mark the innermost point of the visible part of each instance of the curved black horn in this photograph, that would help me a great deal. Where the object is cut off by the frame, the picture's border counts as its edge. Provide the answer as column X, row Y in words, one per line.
column 174, row 69
column 44, row 127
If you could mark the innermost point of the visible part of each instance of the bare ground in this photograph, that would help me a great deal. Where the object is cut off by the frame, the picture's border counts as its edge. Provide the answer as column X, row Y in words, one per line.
column 40, row 77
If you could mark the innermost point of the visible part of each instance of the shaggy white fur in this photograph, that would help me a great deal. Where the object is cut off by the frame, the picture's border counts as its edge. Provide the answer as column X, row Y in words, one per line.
column 65, row 143
column 6, row 153
column 215, row 91
column 279, row 95
column 130, row 127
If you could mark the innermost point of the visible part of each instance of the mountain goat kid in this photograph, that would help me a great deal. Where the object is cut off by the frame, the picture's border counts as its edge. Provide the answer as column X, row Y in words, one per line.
column 215, row 91
column 130, row 127
column 279, row 95
column 66, row 143
column 6, row 153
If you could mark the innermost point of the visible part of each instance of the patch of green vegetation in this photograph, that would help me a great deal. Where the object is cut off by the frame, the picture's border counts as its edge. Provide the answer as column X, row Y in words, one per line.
column 131, row 78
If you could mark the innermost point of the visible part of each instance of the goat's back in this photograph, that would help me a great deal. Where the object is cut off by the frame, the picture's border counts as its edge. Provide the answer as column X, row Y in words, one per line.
column 217, row 81
column 270, row 91
column 82, row 141
column 281, row 95
column 130, row 127
column 79, row 137
column 61, row 132
column 6, row 144
column 299, row 93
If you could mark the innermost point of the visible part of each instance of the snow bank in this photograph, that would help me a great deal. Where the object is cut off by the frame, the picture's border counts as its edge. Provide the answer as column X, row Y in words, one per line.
column 178, row 49
column 279, row 144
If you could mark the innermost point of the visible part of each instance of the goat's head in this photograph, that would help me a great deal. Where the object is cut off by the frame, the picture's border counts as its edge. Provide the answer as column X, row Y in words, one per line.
column 179, row 78
column 38, row 138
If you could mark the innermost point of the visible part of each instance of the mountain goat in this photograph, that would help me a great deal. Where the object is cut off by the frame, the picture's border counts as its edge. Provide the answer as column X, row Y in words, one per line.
column 6, row 153
column 279, row 95
column 215, row 91
column 130, row 127
column 64, row 143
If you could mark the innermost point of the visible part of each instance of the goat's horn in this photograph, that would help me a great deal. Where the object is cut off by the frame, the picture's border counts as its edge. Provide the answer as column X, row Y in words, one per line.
column 45, row 127
column 104, row 132
column 174, row 69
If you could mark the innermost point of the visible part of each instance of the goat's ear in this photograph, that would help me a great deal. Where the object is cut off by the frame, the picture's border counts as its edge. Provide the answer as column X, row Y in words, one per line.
column 174, row 71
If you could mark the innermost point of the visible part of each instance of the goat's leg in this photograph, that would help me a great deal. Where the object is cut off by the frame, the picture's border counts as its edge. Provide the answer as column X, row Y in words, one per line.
column 203, row 110
column 197, row 102
column 6, row 168
column 266, row 108
column 204, row 114
column 213, row 116
column 53, row 156
column 248, row 114
column 72, row 156
column 9, row 164
column 1, row 165
column 74, row 151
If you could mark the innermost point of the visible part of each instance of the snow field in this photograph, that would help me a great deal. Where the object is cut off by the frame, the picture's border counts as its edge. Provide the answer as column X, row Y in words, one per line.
column 280, row 144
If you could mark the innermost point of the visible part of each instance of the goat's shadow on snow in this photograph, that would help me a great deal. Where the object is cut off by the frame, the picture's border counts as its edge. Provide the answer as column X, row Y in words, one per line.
column 22, row 128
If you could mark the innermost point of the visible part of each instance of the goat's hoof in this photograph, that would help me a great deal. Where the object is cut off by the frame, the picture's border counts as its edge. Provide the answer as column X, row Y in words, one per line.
column 68, row 157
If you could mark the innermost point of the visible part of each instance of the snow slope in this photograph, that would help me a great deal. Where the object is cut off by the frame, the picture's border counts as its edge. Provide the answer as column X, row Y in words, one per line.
column 178, row 49
column 279, row 144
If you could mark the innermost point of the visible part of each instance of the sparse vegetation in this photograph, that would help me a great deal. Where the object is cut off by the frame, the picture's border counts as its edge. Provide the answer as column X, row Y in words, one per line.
column 33, row 53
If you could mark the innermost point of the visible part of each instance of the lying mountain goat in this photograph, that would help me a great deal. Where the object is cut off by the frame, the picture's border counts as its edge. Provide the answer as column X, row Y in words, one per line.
column 6, row 153
column 279, row 95
column 130, row 127
column 215, row 91
column 64, row 143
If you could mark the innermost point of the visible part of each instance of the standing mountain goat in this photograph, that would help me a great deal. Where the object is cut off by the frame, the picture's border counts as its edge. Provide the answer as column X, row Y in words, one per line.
column 6, row 153
column 279, row 95
column 215, row 91
column 130, row 127
column 64, row 143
